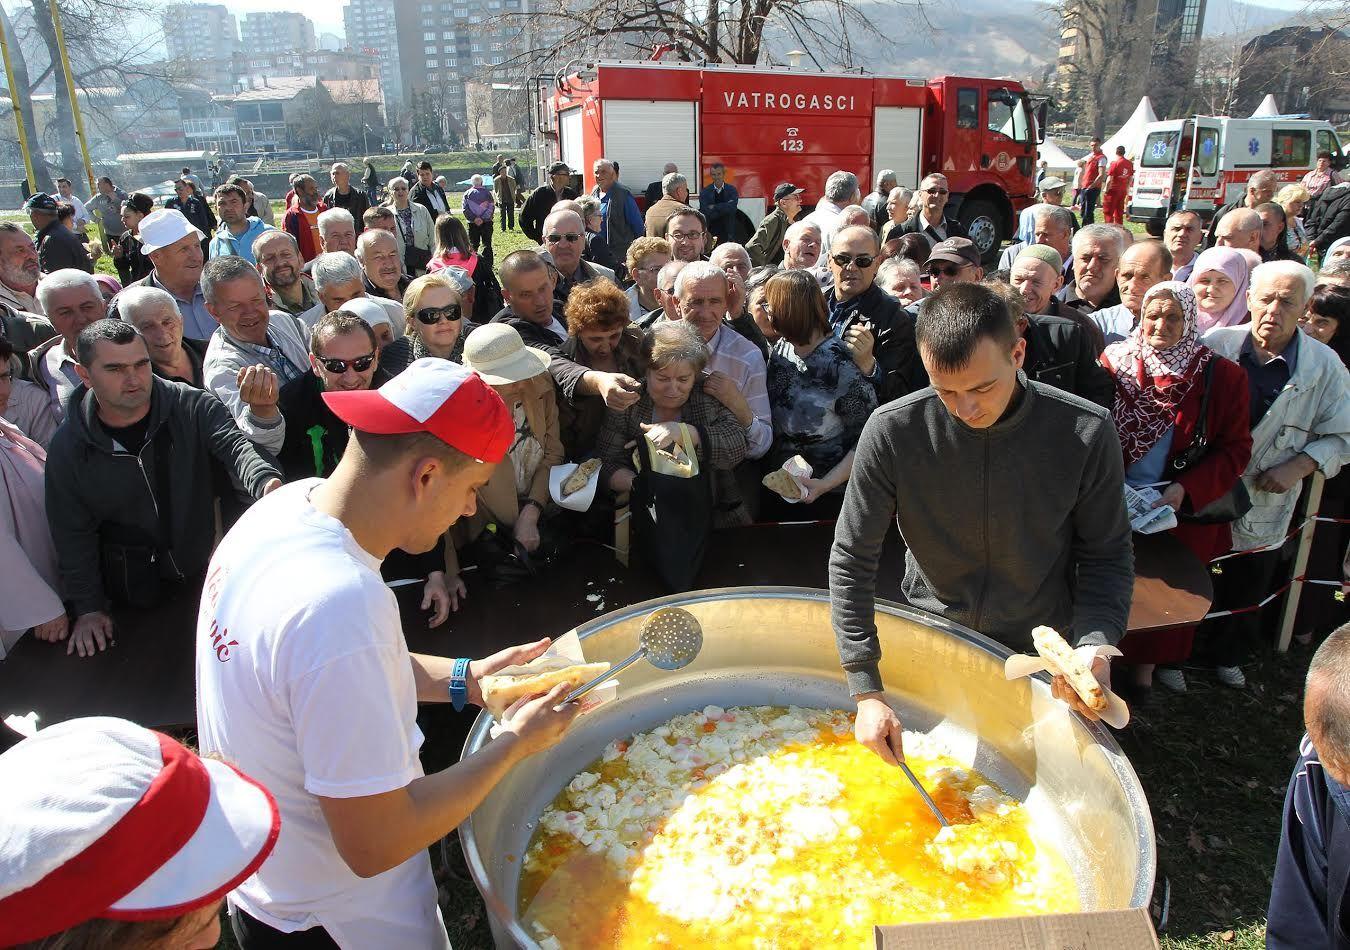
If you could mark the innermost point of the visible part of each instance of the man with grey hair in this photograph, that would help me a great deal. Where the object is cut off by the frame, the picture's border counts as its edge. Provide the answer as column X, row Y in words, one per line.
column 343, row 195
column 802, row 245
column 1051, row 225
column 302, row 218
column 337, row 275
column 174, row 248
column 564, row 240
column 72, row 300
column 899, row 279
column 931, row 218
column 718, row 201
column 738, row 375
column 1096, row 259
column 620, row 220
column 1261, row 187
column 19, row 275
column 1300, row 421
column 841, row 190
column 382, row 264
column 337, row 231
column 656, row 188
column 1309, row 890
column 155, row 316
column 674, row 197
column 1240, row 229
column 255, row 352
column 875, row 203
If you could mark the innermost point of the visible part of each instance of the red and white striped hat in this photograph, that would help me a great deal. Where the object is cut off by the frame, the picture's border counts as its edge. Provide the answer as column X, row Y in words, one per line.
column 104, row 818
column 436, row 396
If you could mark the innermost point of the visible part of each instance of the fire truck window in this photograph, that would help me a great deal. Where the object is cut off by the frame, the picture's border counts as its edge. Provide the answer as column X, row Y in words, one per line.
column 967, row 108
column 1007, row 115
column 1160, row 149
column 1290, row 148
column 1207, row 152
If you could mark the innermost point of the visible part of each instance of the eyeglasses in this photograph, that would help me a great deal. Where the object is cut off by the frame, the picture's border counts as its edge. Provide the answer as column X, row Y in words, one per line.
column 863, row 261
column 570, row 238
column 337, row 366
column 951, row 270
column 686, row 235
column 434, row 315
column 936, row 191
column 648, row 270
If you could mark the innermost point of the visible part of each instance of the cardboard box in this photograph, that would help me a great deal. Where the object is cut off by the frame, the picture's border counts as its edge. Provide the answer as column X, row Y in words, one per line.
column 1095, row 930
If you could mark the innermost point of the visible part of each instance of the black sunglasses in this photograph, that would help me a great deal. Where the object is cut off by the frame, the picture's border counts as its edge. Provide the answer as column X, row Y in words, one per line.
column 569, row 238
column 863, row 261
column 434, row 315
column 951, row 270
column 337, row 366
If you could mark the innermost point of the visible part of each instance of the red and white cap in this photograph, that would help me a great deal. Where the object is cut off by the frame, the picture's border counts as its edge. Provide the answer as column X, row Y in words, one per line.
column 105, row 818
column 436, row 396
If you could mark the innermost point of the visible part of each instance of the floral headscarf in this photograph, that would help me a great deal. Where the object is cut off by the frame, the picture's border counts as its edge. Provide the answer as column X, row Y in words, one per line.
column 1151, row 383
column 1235, row 267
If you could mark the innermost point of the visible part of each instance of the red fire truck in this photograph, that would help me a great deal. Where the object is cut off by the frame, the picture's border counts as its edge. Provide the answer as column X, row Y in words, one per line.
column 769, row 125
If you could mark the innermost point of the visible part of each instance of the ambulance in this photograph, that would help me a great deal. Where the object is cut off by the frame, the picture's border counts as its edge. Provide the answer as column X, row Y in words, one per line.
column 1202, row 163
column 769, row 125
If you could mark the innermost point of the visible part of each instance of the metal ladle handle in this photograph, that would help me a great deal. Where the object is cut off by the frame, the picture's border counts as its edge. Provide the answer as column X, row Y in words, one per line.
column 923, row 793
column 611, row 672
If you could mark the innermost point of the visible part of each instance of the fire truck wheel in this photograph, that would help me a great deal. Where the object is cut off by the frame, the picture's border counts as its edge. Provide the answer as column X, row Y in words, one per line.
column 983, row 223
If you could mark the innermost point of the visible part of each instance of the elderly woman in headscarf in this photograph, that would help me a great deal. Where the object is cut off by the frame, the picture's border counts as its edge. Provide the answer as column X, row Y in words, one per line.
column 1161, row 371
column 1219, row 281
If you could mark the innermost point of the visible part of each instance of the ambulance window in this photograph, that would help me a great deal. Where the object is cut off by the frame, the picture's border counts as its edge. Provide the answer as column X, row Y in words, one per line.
column 967, row 108
column 1160, row 149
column 1326, row 142
column 1290, row 148
column 1207, row 152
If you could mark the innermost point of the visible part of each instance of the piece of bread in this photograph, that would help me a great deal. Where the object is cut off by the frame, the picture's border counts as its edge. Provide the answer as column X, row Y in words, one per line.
column 502, row 689
column 675, row 455
column 1052, row 646
column 780, row 481
column 580, row 476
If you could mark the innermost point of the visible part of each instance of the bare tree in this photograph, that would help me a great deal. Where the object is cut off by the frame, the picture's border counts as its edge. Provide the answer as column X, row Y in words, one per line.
column 1110, row 48
column 1220, row 66
column 717, row 31
column 315, row 118
column 24, row 105
column 477, row 108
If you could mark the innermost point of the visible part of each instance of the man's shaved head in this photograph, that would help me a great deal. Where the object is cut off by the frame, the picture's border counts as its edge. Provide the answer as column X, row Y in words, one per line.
column 1326, row 703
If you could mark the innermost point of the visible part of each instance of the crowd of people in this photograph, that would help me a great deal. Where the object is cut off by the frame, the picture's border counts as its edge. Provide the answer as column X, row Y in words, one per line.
column 997, row 411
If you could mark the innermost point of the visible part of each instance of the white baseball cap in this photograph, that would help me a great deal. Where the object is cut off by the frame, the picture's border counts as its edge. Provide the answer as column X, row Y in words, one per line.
column 105, row 818
column 161, row 228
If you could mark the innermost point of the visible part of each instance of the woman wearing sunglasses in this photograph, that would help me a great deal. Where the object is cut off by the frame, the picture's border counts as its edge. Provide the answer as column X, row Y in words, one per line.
column 435, row 326
column 412, row 225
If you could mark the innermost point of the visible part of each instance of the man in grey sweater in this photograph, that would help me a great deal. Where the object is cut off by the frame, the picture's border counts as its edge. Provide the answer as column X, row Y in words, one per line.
column 1008, row 495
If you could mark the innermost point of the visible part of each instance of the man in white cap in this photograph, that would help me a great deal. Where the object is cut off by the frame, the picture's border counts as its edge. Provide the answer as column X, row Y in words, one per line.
column 174, row 247
column 117, row 836
column 304, row 678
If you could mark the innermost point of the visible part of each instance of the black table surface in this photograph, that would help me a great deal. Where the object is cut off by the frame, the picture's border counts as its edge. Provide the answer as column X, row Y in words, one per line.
column 148, row 676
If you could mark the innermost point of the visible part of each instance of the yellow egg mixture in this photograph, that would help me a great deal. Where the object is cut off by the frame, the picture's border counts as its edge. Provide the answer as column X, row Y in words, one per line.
column 770, row 827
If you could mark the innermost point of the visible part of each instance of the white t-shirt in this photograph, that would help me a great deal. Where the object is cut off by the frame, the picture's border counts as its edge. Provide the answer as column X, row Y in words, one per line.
column 305, row 683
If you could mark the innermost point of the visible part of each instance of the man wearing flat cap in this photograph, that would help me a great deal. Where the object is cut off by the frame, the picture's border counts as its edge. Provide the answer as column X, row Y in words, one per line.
column 58, row 247
column 542, row 199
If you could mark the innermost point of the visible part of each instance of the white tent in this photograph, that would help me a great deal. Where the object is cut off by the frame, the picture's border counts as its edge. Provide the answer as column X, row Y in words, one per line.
column 1133, row 132
column 1056, row 161
column 1266, row 108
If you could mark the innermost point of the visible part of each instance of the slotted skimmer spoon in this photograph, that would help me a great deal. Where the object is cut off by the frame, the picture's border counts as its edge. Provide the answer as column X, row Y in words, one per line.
column 670, row 639
column 923, row 793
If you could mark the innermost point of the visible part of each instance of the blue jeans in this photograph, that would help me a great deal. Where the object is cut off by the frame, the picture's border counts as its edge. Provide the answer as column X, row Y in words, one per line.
column 1089, row 198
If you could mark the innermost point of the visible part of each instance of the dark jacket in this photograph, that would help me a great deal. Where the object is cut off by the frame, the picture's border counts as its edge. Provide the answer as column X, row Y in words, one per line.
column 1329, row 219
column 720, row 210
column 580, row 417
column 132, row 264
column 420, row 193
column 898, row 370
column 953, row 228
column 654, row 192
column 1308, row 907
column 537, row 207
column 197, row 211
column 978, row 556
column 58, row 247
column 100, row 498
column 1066, row 303
column 1060, row 355
column 196, row 354
column 354, row 200
column 1218, row 216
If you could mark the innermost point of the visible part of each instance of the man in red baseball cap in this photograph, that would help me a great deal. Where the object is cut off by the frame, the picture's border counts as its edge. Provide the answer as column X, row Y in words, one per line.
column 115, row 836
column 305, row 681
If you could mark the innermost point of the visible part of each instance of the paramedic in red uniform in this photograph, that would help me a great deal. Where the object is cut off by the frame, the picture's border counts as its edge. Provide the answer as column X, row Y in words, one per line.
column 1091, row 170
column 1119, row 174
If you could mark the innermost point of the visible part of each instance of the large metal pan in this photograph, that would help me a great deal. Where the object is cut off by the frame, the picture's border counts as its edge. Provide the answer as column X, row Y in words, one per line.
column 774, row 645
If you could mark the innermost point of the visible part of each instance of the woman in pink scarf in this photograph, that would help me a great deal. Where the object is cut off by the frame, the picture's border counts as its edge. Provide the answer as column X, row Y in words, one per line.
column 1219, row 280
column 453, row 250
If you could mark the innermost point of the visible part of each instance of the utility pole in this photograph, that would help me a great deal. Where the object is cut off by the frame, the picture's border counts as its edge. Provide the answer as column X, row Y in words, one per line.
column 74, row 96
column 14, row 103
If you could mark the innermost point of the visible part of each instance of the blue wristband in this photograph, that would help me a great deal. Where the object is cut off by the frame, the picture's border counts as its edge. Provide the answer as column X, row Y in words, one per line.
column 459, row 685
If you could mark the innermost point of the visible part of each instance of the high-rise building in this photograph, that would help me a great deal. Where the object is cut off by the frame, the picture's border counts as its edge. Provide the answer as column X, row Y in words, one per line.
column 277, row 32
column 371, row 29
column 199, row 32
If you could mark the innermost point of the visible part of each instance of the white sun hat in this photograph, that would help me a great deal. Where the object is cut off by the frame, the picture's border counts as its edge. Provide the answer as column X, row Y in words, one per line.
column 497, row 353
column 159, row 229
column 105, row 818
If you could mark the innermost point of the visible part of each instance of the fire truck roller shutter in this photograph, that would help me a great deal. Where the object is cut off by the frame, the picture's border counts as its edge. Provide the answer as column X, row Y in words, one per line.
column 643, row 135
column 571, row 146
column 897, row 142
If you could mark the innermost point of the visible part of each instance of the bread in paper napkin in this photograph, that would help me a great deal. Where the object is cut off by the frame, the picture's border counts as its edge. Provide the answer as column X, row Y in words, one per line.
column 1075, row 665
